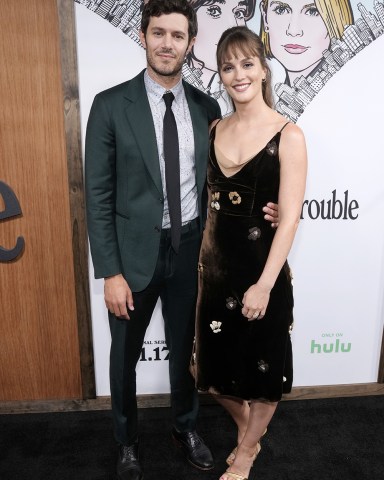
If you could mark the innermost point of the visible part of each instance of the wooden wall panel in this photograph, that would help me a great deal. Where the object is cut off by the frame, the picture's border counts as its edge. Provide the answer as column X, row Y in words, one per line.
column 39, row 344
column 71, row 106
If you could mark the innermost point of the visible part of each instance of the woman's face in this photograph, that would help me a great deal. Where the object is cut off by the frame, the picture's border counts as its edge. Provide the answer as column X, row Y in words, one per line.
column 297, row 33
column 242, row 77
column 213, row 20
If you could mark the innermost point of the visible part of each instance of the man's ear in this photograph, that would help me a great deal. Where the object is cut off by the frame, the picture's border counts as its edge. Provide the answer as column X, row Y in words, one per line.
column 190, row 46
column 142, row 39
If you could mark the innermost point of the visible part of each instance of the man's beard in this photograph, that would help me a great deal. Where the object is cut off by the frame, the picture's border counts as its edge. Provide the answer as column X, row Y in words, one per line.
column 163, row 71
column 168, row 73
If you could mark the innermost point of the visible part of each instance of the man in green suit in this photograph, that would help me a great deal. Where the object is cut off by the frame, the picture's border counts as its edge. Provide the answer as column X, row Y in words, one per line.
column 129, row 222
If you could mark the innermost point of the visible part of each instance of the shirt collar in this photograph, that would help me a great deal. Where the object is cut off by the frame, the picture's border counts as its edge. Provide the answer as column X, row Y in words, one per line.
column 156, row 91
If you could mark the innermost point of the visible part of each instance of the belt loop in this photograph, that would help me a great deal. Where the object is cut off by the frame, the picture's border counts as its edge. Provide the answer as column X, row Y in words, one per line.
column 192, row 224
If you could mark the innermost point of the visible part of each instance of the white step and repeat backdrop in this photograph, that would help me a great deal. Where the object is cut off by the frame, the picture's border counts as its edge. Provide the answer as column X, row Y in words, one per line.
column 329, row 79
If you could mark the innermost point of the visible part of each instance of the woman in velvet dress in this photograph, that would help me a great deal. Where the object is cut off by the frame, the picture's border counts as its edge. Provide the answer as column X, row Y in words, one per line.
column 244, row 313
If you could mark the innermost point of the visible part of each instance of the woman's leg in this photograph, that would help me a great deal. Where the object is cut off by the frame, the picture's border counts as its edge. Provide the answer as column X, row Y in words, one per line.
column 260, row 415
column 239, row 411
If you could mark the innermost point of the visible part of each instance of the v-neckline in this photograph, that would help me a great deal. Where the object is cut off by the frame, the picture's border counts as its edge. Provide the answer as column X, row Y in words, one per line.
column 243, row 164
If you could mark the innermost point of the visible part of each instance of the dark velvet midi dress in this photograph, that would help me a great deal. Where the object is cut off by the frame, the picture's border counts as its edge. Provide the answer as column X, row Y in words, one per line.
column 233, row 356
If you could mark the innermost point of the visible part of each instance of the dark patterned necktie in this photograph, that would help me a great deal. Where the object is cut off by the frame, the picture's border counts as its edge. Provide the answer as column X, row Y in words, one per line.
column 172, row 170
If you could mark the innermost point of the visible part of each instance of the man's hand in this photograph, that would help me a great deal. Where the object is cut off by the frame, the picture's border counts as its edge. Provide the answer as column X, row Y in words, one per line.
column 118, row 296
column 272, row 214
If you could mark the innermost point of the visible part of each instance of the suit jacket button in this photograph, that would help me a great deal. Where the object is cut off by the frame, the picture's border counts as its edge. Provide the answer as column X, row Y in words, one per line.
column 157, row 228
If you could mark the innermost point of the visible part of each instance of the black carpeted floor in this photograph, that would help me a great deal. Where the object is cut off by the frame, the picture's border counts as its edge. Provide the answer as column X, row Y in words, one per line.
column 328, row 439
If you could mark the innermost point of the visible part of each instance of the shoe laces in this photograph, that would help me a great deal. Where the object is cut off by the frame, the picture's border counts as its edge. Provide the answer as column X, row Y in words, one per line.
column 127, row 452
column 194, row 439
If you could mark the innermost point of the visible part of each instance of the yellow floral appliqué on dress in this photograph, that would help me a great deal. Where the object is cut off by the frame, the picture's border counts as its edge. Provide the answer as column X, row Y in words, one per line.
column 235, row 198
column 215, row 200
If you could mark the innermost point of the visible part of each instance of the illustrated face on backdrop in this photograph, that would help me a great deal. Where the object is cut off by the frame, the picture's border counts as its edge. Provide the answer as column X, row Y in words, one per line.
column 294, row 33
column 213, row 18
column 297, row 33
column 166, row 43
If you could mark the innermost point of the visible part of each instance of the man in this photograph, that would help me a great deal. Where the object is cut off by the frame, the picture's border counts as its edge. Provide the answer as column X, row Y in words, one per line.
column 129, row 224
column 139, row 245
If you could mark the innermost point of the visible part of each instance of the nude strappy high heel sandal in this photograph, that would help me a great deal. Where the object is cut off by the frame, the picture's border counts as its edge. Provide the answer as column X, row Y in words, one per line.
column 232, row 455
column 235, row 476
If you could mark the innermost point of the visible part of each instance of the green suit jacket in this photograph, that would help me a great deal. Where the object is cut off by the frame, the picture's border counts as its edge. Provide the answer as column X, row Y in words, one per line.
column 124, row 192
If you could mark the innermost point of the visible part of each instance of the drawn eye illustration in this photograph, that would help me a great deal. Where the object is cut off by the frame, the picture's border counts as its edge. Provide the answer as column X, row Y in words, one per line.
column 312, row 11
column 214, row 11
column 281, row 9
column 239, row 13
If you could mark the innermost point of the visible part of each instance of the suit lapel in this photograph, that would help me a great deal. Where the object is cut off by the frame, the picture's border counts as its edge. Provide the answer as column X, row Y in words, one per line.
column 139, row 116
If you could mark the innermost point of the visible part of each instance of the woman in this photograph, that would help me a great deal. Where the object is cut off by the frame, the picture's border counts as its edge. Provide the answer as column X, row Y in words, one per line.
column 296, row 32
column 244, row 310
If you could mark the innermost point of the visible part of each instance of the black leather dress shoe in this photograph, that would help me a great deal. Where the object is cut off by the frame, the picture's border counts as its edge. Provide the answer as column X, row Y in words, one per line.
column 194, row 448
column 128, row 466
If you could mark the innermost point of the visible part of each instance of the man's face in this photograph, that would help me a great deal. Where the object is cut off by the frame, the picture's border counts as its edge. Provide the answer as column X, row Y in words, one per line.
column 166, row 43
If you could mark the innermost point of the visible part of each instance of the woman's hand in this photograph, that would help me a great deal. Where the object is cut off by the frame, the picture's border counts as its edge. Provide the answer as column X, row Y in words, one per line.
column 255, row 302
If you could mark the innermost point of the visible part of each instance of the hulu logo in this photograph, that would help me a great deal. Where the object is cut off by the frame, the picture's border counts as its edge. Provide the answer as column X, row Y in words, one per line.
column 334, row 347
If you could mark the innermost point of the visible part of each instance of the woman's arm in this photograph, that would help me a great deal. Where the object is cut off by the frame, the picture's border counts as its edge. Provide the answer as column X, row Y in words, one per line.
column 293, row 170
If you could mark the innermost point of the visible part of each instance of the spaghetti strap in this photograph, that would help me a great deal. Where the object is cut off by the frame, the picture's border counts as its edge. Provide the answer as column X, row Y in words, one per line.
column 213, row 129
column 284, row 126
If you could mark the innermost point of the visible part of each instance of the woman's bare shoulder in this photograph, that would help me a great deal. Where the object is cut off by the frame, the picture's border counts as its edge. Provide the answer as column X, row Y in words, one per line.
column 290, row 132
column 292, row 144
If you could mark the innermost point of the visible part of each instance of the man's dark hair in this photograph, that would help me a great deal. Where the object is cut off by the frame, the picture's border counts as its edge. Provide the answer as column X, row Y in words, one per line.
column 156, row 8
